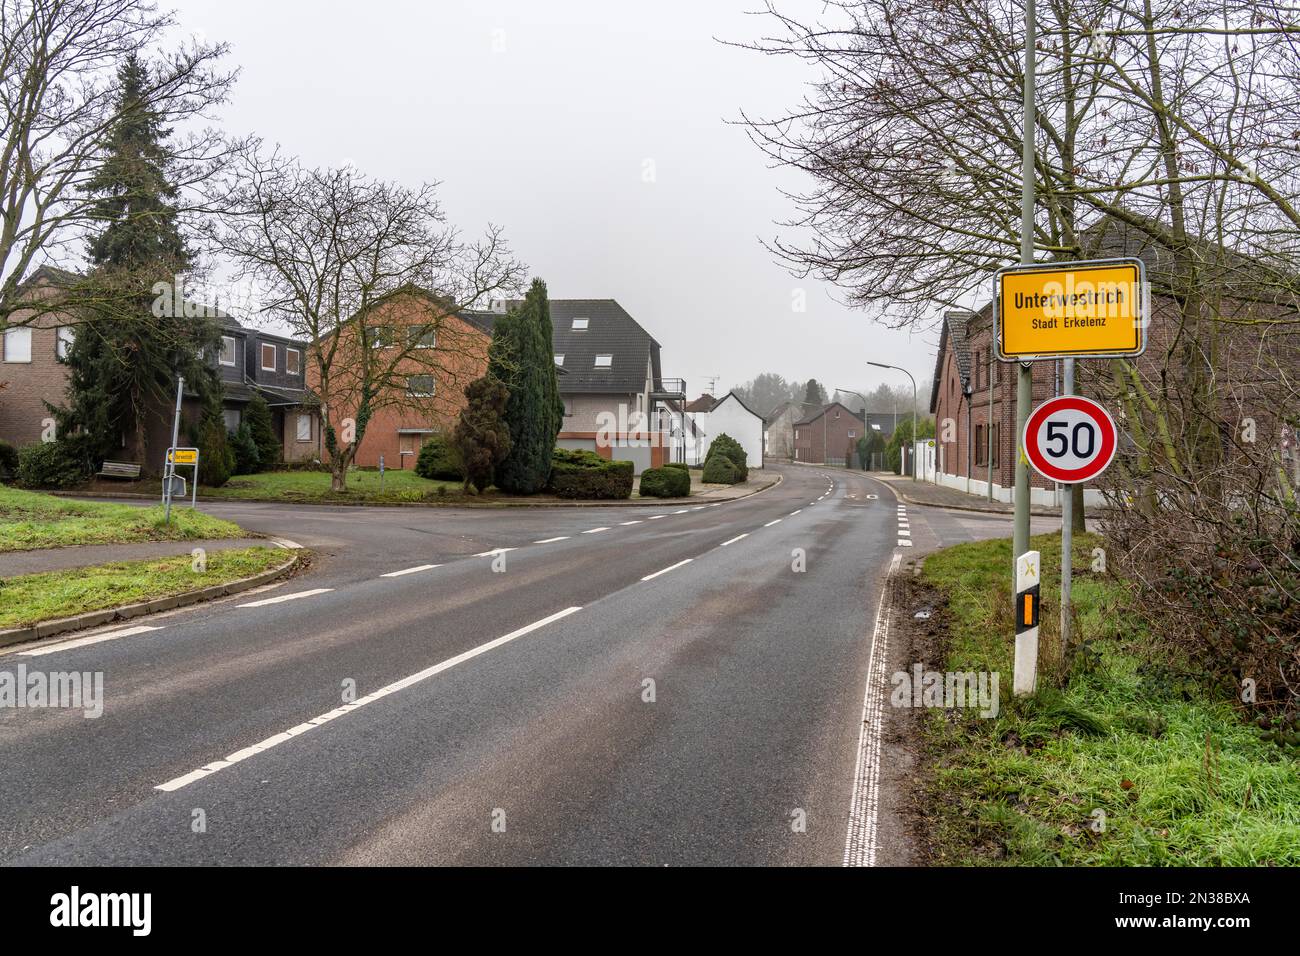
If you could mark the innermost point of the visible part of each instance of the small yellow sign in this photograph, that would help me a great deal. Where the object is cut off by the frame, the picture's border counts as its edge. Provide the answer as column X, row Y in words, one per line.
column 1088, row 309
column 184, row 456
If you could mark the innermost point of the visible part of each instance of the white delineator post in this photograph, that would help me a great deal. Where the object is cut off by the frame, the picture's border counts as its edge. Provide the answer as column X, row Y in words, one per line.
column 1028, row 591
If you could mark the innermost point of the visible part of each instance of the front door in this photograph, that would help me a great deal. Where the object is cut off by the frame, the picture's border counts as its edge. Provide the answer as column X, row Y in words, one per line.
column 409, row 448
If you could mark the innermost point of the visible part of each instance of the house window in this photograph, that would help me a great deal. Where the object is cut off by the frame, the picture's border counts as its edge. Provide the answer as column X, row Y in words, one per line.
column 63, row 341
column 227, row 356
column 293, row 361
column 559, row 359
column 382, row 337
column 568, row 408
column 302, row 428
column 420, row 386
column 995, row 446
column 580, row 325
column 981, row 446
column 18, row 345
column 837, row 414
column 604, row 361
column 853, row 433
column 268, row 357
column 231, row 418
column 423, row 337
column 796, row 434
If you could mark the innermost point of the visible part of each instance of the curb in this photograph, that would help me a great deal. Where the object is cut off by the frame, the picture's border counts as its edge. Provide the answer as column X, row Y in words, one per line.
column 584, row 503
column 43, row 629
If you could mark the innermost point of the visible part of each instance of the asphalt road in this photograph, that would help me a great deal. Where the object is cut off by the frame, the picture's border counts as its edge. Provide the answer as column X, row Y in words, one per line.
column 623, row 686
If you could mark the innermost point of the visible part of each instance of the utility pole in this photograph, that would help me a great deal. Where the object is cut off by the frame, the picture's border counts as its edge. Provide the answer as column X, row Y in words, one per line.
column 1025, row 378
column 899, row 368
column 1025, row 677
column 169, row 467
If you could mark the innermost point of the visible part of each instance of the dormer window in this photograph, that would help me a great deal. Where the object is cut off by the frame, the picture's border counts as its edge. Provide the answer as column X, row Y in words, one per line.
column 227, row 350
column 580, row 325
column 268, row 357
column 293, row 361
column 604, row 361
column 559, row 360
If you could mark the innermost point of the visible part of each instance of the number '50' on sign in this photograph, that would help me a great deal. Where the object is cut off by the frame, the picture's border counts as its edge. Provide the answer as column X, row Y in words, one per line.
column 1069, row 439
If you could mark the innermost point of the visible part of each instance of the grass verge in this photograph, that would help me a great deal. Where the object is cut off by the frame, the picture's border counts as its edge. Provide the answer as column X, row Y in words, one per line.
column 29, row 519
column 31, row 598
column 1129, row 763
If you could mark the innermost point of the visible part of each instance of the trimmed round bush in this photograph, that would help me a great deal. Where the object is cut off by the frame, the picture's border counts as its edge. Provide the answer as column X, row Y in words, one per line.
column 724, row 444
column 665, row 483
column 439, row 461
column 53, row 464
column 578, row 473
column 720, row 470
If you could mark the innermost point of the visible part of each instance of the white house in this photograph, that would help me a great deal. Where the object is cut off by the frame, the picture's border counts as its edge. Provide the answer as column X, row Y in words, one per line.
column 730, row 416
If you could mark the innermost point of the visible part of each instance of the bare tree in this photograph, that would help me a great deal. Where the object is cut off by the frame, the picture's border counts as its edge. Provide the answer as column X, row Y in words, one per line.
column 58, row 85
column 332, row 248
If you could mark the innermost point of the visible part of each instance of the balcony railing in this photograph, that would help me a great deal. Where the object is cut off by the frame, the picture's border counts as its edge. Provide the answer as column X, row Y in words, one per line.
column 668, row 388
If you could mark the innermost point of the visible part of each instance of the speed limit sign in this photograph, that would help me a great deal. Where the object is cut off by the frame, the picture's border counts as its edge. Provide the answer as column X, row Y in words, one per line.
column 1069, row 439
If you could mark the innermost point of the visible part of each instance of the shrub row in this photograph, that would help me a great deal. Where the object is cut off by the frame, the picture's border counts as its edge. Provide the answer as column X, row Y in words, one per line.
column 584, row 474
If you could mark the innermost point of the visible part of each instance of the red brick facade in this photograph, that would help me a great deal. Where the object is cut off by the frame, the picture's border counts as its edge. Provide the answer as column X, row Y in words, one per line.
column 827, row 436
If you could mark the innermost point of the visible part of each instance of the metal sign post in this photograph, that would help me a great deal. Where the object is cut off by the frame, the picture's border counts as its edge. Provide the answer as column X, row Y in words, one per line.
column 169, row 469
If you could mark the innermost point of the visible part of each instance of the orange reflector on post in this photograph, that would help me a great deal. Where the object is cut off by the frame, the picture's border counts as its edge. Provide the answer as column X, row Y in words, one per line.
column 1029, row 610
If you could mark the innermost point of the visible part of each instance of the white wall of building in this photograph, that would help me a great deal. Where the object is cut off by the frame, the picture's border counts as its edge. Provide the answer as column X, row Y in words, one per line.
column 732, row 418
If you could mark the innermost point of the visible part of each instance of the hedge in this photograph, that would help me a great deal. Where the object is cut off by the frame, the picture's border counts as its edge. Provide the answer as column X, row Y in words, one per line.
column 665, row 483
column 55, row 464
column 8, row 461
column 584, row 474
column 439, row 461
column 678, row 464
column 721, row 470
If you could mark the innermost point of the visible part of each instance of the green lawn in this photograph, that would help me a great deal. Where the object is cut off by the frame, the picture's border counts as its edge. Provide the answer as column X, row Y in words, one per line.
column 30, row 598
column 315, row 486
column 1180, row 778
column 29, row 519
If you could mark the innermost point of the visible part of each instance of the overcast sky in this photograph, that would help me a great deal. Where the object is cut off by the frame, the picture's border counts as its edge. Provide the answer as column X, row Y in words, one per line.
column 544, row 118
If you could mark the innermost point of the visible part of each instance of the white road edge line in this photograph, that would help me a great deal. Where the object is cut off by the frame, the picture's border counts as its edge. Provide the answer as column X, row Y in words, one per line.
column 86, row 641
column 671, row 567
column 405, row 682
column 418, row 567
column 734, row 540
column 563, row 537
column 286, row 597
column 860, row 841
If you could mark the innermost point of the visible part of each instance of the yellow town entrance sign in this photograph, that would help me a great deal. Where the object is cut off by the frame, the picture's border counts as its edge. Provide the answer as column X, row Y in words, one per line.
column 1095, row 309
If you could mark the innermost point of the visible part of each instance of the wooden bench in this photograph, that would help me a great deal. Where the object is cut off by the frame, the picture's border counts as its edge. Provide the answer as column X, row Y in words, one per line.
column 119, row 469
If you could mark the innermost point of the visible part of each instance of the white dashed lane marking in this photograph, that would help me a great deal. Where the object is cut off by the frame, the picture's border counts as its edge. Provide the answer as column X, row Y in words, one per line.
column 563, row 537
column 671, row 567
column 404, row 571
column 86, row 641
column 595, row 530
column 286, row 597
column 734, row 540
column 494, row 552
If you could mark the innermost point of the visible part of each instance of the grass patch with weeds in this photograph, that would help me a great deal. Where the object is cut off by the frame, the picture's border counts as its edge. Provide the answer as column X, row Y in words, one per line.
column 29, row 519
column 30, row 598
column 1118, row 766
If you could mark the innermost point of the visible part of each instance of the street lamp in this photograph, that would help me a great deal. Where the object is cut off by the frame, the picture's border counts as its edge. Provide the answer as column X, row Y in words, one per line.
column 899, row 368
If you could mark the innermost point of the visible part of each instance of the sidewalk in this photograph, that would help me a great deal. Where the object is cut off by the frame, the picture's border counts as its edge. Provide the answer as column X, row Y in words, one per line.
column 926, row 493
column 13, row 563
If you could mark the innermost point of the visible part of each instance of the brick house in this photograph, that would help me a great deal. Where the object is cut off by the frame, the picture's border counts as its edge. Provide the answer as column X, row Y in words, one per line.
column 828, row 434
column 778, row 437
column 433, row 382
column 248, row 361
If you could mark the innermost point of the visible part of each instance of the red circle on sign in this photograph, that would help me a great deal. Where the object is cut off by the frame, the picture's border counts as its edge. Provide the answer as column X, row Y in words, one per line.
column 1040, row 419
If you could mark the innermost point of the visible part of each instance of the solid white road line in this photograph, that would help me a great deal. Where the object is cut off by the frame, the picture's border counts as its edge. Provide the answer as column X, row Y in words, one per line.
column 563, row 537
column 286, row 597
column 626, row 523
column 671, row 567
column 860, row 841
column 734, row 540
column 595, row 530
column 494, row 552
column 85, row 641
column 418, row 567
column 770, row 523
column 405, row 682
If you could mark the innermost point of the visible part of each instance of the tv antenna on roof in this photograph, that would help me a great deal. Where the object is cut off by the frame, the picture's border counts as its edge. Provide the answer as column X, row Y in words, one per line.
column 713, row 382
